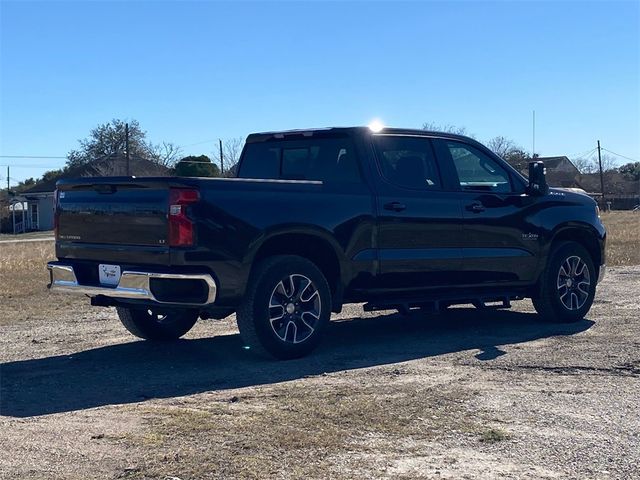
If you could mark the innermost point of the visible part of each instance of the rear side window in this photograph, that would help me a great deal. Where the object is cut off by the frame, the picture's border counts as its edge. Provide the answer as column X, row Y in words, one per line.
column 331, row 160
column 408, row 162
column 260, row 160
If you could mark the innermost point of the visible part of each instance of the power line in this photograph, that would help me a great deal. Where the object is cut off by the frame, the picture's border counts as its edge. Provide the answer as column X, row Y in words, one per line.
column 617, row 154
column 583, row 154
column 29, row 156
column 198, row 143
column 28, row 165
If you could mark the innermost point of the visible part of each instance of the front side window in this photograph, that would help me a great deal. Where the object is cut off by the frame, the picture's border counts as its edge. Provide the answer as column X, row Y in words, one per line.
column 407, row 162
column 331, row 160
column 476, row 170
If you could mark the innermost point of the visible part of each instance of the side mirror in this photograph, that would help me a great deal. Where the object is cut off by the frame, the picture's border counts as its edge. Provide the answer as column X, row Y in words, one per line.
column 537, row 179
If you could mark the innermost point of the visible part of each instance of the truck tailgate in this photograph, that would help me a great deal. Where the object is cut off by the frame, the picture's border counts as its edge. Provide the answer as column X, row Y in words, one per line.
column 113, row 212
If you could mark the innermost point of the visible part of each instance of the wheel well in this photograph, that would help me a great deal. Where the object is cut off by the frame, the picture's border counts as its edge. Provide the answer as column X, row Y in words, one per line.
column 585, row 239
column 313, row 248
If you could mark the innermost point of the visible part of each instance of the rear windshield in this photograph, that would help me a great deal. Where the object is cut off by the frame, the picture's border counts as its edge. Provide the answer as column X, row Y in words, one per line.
column 331, row 160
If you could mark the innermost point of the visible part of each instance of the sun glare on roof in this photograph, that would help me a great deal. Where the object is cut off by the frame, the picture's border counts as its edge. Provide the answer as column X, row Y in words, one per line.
column 376, row 126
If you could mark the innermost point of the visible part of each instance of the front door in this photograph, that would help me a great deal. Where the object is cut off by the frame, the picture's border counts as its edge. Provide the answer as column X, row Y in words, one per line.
column 419, row 230
column 33, row 211
column 500, row 242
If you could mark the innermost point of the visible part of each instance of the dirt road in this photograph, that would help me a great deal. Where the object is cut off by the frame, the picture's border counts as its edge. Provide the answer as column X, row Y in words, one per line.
column 463, row 395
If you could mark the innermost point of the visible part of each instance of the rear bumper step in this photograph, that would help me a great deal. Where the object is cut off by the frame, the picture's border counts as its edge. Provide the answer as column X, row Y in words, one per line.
column 133, row 285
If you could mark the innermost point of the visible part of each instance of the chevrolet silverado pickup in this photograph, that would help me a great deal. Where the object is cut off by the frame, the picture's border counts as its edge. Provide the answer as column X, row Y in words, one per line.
column 315, row 219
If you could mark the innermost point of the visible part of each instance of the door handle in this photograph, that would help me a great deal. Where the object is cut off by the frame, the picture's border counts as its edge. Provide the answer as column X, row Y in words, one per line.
column 476, row 208
column 395, row 206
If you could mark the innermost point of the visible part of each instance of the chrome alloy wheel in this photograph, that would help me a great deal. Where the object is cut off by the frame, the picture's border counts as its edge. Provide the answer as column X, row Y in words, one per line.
column 573, row 283
column 294, row 308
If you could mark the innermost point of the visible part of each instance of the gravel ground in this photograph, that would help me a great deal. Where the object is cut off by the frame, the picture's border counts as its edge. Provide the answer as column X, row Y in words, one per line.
column 468, row 394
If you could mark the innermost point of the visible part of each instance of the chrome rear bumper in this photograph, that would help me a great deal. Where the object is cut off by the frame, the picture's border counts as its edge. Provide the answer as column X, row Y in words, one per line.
column 132, row 285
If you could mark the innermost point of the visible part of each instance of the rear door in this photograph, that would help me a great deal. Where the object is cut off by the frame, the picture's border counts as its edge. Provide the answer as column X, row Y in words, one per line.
column 419, row 222
column 499, row 242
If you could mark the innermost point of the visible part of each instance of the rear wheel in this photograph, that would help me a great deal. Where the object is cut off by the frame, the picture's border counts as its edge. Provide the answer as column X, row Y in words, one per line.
column 151, row 324
column 286, row 307
column 568, row 285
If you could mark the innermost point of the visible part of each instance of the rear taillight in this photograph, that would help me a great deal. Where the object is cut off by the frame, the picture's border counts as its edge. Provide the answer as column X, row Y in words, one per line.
column 181, row 228
column 56, row 212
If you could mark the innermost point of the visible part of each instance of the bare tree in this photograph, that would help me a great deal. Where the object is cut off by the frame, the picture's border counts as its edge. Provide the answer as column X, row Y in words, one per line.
column 231, row 151
column 434, row 127
column 609, row 163
column 166, row 154
column 585, row 165
column 591, row 165
column 502, row 146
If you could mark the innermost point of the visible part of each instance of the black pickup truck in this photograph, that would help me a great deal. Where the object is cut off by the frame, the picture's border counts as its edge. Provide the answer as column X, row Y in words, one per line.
column 396, row 219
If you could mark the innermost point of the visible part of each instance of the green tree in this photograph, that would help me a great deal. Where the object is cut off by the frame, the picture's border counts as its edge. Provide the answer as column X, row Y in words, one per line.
column 200, row 166
column 23, row 185
column 110, row 138
column 52, row 175
column 631, row 170
column 518, row 159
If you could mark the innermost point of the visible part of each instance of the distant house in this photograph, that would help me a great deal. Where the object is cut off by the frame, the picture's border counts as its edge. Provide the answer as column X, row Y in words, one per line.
column 39, row 199
column 561, row 172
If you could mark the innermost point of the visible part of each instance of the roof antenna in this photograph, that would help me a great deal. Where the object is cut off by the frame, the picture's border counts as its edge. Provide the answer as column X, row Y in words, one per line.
column 533, row 150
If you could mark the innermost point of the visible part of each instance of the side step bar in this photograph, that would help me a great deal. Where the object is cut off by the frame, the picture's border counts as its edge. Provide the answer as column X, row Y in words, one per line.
column 485, row 302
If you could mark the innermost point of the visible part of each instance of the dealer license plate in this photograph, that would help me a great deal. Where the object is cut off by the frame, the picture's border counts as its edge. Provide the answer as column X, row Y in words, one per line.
column 109, row 274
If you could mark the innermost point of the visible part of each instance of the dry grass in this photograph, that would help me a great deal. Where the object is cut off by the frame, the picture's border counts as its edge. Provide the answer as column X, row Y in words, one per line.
column 29, row 235
column 623, row 237
column 493, row 435
column 23, row 282
column 298, row 431
column 23, row 267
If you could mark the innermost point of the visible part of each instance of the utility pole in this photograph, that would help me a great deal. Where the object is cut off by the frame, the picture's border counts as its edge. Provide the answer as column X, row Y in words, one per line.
column 601, row 176
column 126, row 146
column 12, row 204
column 221, row 159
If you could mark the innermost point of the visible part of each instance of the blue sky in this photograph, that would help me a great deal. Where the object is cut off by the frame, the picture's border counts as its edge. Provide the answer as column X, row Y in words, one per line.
column 196, row 71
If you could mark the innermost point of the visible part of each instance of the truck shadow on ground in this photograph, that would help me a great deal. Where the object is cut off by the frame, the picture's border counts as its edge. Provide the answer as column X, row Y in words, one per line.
column 137, row 371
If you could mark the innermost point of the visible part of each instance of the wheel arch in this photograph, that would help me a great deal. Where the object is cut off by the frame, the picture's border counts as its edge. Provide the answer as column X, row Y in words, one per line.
column 317, row 247
column 585, row 236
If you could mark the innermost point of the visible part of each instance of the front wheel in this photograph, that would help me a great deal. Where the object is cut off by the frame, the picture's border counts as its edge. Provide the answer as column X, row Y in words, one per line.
column 286, row 307
column 151, row 324
column 568, row 285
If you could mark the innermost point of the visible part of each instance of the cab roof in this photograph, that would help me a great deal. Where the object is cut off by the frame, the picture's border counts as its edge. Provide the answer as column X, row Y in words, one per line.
column 333, row 131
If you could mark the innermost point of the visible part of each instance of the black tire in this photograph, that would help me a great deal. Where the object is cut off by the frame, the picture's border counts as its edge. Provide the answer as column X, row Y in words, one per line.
column 261, row 328
column 566, row 298
column 149, row 325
